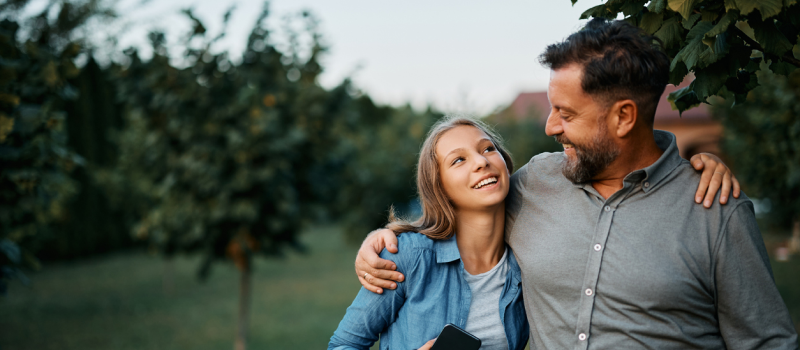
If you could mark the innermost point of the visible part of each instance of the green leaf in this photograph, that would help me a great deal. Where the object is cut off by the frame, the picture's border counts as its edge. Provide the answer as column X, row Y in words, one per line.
column 787, row 3
column 782, row 68
column 768, row 35
column 716, row 51
column 767, row 8
column 741, row 83
column 689, row 23
column 730, row 5
column 657, row 6
column 796, row 49
column 632, row 8
column 684, row 7
column 708, row 16
column 677, row 75
column 6, row 126
column 753, row 65
column 699, row 31
column 690, row 54
column 683, row 99
column 708, row 81
column 723, row 24
column 671, row 32
column 597, row 11
column 651, row 22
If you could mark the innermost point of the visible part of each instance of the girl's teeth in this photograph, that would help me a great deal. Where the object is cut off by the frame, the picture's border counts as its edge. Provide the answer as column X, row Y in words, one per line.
column 485, row 182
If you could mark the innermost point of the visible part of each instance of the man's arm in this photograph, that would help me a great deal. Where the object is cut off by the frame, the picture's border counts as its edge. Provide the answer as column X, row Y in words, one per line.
column 751, row 312
column 375, row 273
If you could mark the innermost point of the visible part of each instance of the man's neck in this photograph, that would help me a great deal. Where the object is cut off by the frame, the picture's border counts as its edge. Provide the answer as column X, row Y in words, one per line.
column 633, row 156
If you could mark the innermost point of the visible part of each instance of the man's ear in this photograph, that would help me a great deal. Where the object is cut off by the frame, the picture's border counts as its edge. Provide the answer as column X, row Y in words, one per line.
column 624, row 115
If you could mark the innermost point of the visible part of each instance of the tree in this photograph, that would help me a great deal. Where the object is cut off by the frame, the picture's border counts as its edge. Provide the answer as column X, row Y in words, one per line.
column 764, row 133
column 229, row 160
column 384, row 147
column 35, row 161
column 722, row 41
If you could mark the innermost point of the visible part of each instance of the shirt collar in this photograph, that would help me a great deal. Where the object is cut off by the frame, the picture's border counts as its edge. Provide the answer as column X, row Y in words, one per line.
column 665, row 164
column 654, row 173
column 446, row 250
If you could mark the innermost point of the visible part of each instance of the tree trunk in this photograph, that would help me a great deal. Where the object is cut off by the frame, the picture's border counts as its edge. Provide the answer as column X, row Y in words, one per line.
column 794, row 242
column 244, row 307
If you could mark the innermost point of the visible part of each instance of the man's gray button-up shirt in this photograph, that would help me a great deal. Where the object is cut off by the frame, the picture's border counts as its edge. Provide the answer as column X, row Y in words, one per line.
column 645, row 268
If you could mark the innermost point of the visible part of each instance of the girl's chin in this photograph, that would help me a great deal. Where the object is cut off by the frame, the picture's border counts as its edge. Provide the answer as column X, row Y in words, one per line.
column 486, row 203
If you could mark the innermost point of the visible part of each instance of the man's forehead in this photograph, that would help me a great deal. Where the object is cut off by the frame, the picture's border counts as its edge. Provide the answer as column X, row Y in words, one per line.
column 565, row 87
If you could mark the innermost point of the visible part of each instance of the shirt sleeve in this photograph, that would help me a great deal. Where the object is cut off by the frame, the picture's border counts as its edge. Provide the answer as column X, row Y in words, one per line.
column 514, row 200
column 751, row 312
column 370, row 313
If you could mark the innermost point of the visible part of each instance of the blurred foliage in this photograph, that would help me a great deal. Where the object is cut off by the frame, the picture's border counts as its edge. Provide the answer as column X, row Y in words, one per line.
column 762, row 135
column 231, row 159
column 524, row 137
column 715, row 40
column 385, row 149
column 35, row 161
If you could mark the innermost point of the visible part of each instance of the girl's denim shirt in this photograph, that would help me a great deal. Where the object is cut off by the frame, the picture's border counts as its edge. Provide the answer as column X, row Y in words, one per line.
column 433, row 294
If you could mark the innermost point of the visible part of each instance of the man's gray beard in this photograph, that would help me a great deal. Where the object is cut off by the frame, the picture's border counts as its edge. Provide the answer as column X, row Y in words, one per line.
column 591, row 159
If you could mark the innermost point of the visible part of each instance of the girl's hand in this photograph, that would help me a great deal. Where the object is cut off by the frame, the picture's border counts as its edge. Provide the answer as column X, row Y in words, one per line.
column 715, row 174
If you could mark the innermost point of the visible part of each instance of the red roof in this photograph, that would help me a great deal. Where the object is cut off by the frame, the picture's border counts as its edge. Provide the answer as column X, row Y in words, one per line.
column 537, row 102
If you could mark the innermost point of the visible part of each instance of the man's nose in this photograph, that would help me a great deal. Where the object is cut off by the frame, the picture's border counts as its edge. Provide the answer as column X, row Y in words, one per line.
column 553, row 125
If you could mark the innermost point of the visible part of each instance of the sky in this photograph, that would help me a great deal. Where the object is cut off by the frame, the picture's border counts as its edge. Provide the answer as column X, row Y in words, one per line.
column 465, row 56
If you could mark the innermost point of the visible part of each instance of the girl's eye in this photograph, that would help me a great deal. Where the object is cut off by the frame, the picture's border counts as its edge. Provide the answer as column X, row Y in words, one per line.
column 489, row 149
column 457, row 160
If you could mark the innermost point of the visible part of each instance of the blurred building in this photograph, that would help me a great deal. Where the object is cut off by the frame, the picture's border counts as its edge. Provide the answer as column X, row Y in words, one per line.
column 695, row 130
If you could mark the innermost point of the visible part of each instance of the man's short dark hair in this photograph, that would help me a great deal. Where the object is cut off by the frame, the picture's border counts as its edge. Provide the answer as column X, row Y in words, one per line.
column 619, row 62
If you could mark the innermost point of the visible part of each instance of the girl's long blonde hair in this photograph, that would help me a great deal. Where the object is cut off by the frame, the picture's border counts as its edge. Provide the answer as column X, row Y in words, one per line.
column 438, row 220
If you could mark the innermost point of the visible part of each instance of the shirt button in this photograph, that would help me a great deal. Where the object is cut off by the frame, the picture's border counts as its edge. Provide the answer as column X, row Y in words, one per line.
column 646, row 184
column 589, row 291
column 582, row 336
column 608, row 208
column 597, row 247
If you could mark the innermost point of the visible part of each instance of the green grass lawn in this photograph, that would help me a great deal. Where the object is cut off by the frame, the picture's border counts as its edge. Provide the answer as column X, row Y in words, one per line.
column 117, row 302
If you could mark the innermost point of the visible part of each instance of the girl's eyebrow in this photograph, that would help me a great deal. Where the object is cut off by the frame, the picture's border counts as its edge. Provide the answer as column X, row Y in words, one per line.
column 462, row 149
column 453, row 151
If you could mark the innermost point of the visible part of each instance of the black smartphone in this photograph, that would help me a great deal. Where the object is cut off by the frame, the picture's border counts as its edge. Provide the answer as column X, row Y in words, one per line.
column 454, row 338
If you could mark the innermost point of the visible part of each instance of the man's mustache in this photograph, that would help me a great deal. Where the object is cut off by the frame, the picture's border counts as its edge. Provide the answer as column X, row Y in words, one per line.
column 563, row 139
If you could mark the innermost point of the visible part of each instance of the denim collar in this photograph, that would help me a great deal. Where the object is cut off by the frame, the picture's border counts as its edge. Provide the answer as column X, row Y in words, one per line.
column 447, row 251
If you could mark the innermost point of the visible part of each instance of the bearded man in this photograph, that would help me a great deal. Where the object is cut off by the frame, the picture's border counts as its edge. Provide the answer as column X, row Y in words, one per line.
column 612, row 253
